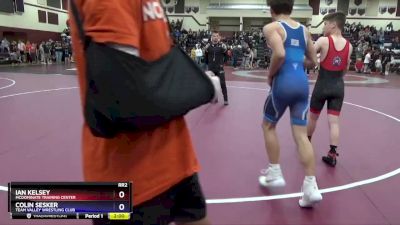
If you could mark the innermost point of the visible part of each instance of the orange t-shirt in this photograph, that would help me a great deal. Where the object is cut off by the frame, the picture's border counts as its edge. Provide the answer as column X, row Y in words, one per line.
column 153, row 160
column 28, row 47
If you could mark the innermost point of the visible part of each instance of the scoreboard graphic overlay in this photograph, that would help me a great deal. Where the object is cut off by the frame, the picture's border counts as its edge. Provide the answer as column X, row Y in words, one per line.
column 70, row 200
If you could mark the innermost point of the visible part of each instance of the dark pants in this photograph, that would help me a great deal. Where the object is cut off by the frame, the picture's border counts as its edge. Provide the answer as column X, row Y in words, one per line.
column 182, row 203
column 28, row 57
column 235, row 61
column 221, row 75
column 384, row 67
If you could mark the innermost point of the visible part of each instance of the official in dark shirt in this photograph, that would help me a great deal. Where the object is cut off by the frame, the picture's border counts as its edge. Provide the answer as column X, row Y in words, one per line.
column 386, row 58
column 215, row 56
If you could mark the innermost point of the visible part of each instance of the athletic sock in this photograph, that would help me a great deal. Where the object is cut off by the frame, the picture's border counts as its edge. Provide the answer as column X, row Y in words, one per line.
column 274, row 166
column 309, row 179
column 333, row 149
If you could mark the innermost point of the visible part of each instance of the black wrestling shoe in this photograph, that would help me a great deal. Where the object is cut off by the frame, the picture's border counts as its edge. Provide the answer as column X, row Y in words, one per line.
column 330, row 159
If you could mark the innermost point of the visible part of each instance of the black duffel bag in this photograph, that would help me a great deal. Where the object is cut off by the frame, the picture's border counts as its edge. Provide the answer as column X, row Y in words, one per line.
column 125, row 93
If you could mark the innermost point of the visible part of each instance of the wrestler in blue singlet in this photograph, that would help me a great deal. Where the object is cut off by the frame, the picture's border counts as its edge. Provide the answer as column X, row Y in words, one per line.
column 290, row 84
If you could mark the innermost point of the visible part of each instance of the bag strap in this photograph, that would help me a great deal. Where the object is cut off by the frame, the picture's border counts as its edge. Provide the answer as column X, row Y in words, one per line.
column 171, row 31
column 78, row 20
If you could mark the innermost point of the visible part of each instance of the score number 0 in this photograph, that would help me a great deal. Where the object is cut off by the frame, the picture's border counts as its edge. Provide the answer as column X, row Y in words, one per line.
column 121, row 194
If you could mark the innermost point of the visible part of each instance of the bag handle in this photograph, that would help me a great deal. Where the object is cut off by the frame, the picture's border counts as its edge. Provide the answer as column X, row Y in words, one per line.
column 171, row 32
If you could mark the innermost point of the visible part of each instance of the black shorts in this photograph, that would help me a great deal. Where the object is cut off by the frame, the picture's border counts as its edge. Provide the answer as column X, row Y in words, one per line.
column 184, row 202
column 329, row 88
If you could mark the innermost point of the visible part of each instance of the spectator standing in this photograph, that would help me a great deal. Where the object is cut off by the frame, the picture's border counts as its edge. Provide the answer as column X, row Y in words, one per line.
column 367, row 60
column 21, row 51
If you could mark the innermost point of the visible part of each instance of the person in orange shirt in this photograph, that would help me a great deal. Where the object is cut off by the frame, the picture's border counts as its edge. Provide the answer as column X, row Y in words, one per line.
column 28, row 48
column 161, row 162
